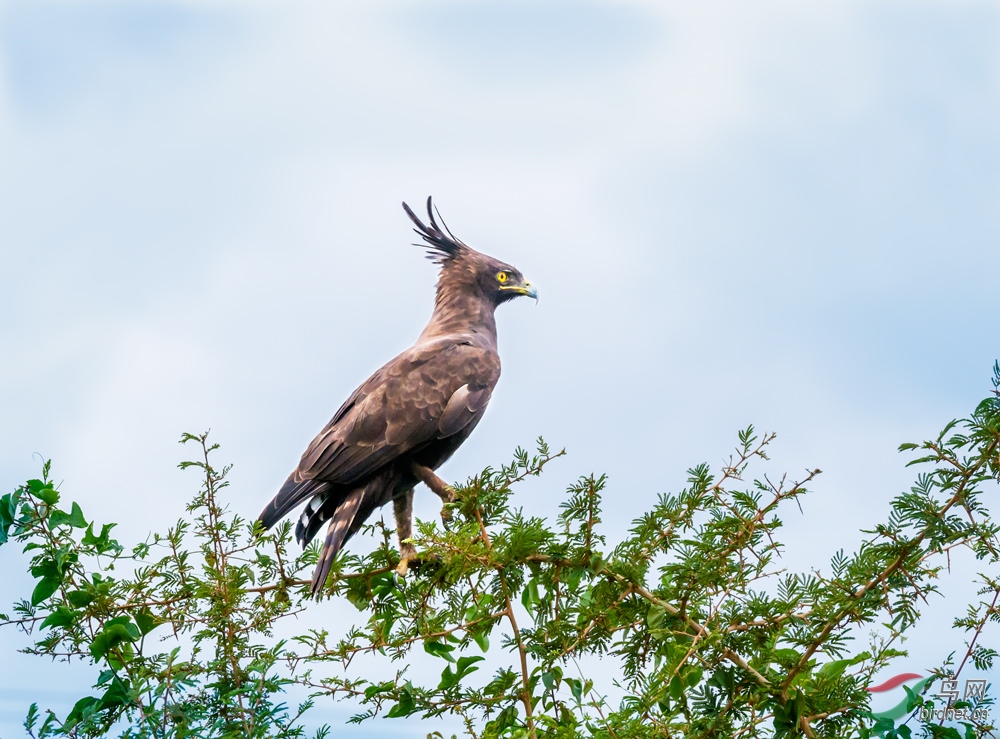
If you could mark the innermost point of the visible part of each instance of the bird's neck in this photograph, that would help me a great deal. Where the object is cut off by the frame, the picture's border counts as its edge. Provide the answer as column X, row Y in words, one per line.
column 461, row 315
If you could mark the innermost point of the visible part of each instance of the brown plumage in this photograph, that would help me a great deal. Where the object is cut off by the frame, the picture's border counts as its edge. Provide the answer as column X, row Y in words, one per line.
column 412, row 414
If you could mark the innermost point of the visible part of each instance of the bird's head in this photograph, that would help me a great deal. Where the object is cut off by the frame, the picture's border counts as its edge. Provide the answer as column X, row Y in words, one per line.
column 465, row 269
column 502, row 282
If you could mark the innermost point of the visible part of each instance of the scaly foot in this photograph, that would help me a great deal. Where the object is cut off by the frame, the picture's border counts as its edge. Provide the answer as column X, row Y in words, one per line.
column 447, row 514
column 407, row 555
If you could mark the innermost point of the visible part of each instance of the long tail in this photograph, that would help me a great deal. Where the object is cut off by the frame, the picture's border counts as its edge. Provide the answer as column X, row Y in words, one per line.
column 336, row 534
column 291, row 494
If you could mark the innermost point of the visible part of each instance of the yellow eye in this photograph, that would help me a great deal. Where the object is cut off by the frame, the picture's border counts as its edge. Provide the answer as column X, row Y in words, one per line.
column 501, row 277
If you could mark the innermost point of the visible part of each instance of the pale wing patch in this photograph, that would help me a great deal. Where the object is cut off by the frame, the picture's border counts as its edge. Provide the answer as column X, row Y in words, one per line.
column 462, row 407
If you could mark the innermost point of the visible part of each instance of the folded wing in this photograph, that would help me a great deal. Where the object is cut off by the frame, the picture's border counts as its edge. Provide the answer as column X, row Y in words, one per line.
column 428, row 393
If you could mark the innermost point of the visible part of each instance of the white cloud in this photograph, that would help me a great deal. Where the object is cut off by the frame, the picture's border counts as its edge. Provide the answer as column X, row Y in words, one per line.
column 734, row 213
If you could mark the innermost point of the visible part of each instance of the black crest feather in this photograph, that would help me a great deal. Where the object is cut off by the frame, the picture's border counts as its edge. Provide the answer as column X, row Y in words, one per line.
column 440, row 242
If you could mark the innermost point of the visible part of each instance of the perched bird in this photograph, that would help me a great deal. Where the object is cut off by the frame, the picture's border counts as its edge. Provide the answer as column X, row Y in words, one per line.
column 412, row 414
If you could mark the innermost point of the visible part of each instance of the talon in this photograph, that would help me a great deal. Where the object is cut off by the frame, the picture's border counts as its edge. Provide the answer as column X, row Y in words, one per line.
column 403, row 568
column 407, row 554
column 447, row 514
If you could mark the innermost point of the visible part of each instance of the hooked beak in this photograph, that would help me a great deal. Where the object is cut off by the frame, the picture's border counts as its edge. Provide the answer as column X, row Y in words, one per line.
column 526, row 289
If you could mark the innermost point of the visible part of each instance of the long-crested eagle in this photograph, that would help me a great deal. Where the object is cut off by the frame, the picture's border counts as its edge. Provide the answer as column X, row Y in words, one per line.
column 412, row 414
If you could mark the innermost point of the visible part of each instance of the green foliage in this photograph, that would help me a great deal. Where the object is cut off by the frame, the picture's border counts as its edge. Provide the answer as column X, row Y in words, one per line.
column 686, row 627
column 117, row 609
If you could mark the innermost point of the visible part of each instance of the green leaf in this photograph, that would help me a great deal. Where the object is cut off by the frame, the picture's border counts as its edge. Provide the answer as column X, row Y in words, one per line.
column 506, row 719
column 357, row 594
column 44, row 491
column 676, row 687
column 693, row 677
column 913, row 701
column 439, row 649
column 131, row 629
column 786, row 657
column 8, row 513
column 575, row 687
column 31, row 719
column 654, row 618
column 61, row 616
column 101, row 543
column 448, row 679
column 463, row 667
column 883, row 725
column 529, row 597
column 74, row 518
column 572, row 577
column 45, row 588
column 84, row 708
column 115, row 631
column 483, row 641
column 146, row 621
column 80, row 598
column 116, row 695
column 378, row 688
column 406, row 704
column 465, row 664
column 832, row 669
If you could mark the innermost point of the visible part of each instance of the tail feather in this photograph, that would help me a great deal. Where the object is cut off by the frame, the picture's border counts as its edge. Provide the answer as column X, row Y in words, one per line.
column 291, row 494
column 336, row 535
column 317, row 512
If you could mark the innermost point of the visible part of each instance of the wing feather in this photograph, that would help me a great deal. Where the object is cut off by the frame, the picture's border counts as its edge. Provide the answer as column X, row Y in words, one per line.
column 291, row 494
column 463, row 406
column 429, row 392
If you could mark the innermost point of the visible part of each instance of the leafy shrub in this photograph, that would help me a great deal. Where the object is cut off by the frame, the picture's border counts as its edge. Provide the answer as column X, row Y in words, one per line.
column 703, row 635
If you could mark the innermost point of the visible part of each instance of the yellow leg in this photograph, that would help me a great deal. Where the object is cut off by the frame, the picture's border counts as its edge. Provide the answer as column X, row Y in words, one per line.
column 402, row 507
column 442, row 489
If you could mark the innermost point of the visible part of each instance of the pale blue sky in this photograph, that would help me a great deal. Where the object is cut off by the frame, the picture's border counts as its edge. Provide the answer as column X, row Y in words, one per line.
column 784, row 214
